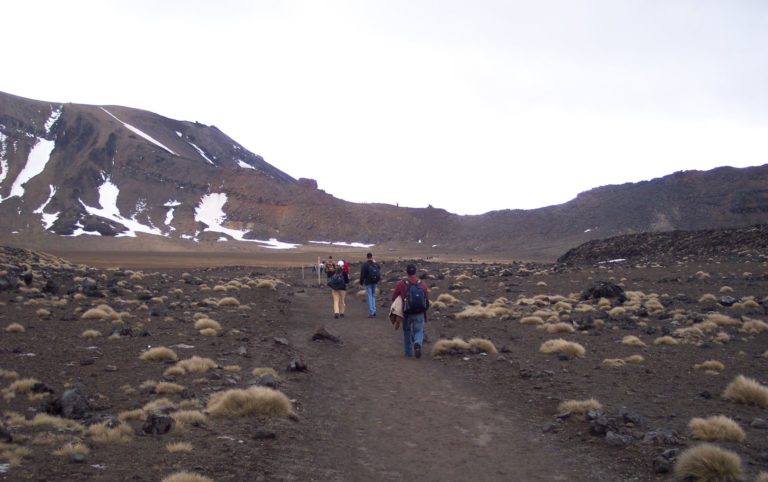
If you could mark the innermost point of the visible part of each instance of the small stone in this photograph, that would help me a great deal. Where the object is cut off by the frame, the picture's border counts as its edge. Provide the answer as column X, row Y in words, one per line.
column 670, row 454
column 110, row 368
column 662, row 465
column 264, row 435
column 266, row 381
column 77, row 458
column 297, row 365
column 87, row 361
column 705, row 395
column 549, row 428
column 616, row 440
column 727, row 300
column 323, row 333
column 5, row 436
column 759, row 423
column 280, row 341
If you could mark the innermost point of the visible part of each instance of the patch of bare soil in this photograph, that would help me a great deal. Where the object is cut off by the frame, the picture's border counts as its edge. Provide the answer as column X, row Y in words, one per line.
column 357, row 409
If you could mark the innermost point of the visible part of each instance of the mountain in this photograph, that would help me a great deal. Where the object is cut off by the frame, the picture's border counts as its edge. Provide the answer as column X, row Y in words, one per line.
column 89, row 176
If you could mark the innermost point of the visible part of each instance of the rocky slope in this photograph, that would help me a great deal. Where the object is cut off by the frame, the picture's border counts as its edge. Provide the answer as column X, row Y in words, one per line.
column 68, row 169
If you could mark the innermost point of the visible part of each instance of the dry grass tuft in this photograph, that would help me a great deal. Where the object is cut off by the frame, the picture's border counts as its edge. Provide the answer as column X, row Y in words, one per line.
column 560, row 327
column 90, row 334
column 634, row 359
column 251, row 401
column 710, row 365
column 159, row 353
column 448, row 299
column 490, row 311
column 203, row 323
column 19, row 387
column 178, row 447
column 444, row 346
column 101, row 312
column 722, row 320
column 174, row 371
column 559, row 345
column 8, row 374
column 15, row 328
column 103, row 433
column 718, row 427
column 168, row 387
column 579, row 406
column 665, row 340
column 72, row 449
column 747, row 391
column 186, row 477
column 229, row 301
column 708, row 298
column 632, row 340
column 531, row 320
column 708, row 463
column 185, row 418
column 484, row 345
column 726, row 289
column 209, row 332
column 129, row 415
column 614, row 362
column 196, row 364
column 267, row 284
column 617, row 312
column 232, row 368
column 261, row 371
column 753, row 326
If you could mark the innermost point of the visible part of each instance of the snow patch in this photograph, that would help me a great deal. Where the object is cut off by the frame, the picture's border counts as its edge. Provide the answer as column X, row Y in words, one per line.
column 48, row 219
column 36, row 162
column 618, row 260
column 55, row 114
column 211, row 212
column 179, row 134
column 108, row 193
column 172, row 204
column 343, row 243
column 140, row 133
column 588, row 230
column 245, row 165
column 3, row 160
column 200, row 151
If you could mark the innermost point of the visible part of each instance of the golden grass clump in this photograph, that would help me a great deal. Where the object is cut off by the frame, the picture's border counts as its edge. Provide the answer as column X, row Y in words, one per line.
column 186, row 477
column 653, row 306
column 435, row 305
column 101, row 312
column 158, row 405
column 8, row 374
column 204, row 323
column 632, row 340
column 168, row 387
column 579, row 406
column 174, row 371
column 103, row 433
column 19, row 387
column 708, row 463
column 713, row 365
column 560, row 327
column 747, row 391
column 665, row 340
column 726, row 289
column 634, row 359
column 42, row 313
column 43, row 419
column 178, row 447
column 617, row 312
column 714, row 428
column 753, row 326
column 251, row 401
column 559, row 345
column 267, row 284
column 722, row 320
column 184, row 418
column 614, row 362
column 562, row 306
column 232, row 368
column 13, row 454
column 229, row 301
column 209, row 332
column 708, row 298
column 531, row 320
column 72, row 449
column 483, row 345
column 444, row 345
column 90, row 334
column 762, row 477
column 261, row 371
column 15, row 328
column 159, row 353
column 721, row 337
column 196, row 364
column 128, row 415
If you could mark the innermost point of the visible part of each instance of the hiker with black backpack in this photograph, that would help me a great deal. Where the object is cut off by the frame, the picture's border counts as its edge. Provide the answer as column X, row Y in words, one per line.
column 415, row 296
column 338, row 283
column 370, row 275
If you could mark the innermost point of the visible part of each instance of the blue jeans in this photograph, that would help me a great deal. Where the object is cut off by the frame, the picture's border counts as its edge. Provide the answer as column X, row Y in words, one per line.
column 370, row 294
column 413, row 332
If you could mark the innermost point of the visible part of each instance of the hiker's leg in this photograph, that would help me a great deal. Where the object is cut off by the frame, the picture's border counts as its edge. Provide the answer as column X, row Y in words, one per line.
column 407, row 336
column 342, row 304
column 418, row 328
column 335, row 294
column 370, row 293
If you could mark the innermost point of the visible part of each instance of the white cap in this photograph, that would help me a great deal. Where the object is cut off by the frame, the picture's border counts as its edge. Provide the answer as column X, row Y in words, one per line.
column 341, row 263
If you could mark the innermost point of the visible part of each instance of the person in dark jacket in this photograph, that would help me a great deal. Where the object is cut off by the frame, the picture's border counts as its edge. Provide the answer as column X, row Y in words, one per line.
column 338, row 282
column 413, row 317
column 369, row 278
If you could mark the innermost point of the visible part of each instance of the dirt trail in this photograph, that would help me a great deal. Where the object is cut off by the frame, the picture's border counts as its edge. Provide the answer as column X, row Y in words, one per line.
column 378, row 415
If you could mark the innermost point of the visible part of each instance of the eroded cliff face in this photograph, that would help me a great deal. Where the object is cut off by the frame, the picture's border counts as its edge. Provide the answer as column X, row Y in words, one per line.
column 69, row 169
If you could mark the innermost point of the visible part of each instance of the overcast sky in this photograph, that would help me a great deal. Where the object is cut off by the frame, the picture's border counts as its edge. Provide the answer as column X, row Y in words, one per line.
column 467, row 106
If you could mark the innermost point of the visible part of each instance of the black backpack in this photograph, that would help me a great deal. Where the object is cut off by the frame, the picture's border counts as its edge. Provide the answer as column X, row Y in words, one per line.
column 415, row 298
column 374, row 274
column 336, row 281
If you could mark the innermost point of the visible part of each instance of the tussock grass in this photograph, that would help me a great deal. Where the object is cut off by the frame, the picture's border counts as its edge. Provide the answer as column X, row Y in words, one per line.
column 632, row 340
column 19, row 387
column 168, row 387
column 753, row 326
column 617, row 312
column 159, row 353
column 562, row 306
column 90, row 334
column 579, row 406
column 186, row 477
column 726, row 289
column 721, row 337
column 45, row 420
column 159, row 405
column 42, row 313
column 489, row 311
column 531, row 320
column 261, row 371
column 101, row 312
column 722, row 320
column 436, row 305
column 559, row 345
column 178, row 447
column 708, row 298
column 747, row 391
column 710, row 365
column 70, row 449
column 229, row 301
column 560, row 327
column 716, row 428
column 708, row 463
column 266, row 284
column 209, row 332
column 103, row 433
column 634, row 359
column 196, row 364
column 203, row 323
column 653, row 306
column 185, row 418
column 614, row 362
column 8, row 374
column 232, row 369
column 702, row 275
column 13, row 454
column 128, row 415
column 444, row 345
column 484, row 345
column 15, row 328
column 251, row 401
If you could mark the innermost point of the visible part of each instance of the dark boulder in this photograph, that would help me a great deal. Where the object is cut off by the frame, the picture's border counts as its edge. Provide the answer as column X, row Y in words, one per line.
column 157, row 424
column 604, row 289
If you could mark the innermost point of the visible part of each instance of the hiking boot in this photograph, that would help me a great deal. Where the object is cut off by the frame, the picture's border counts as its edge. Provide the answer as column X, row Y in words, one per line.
column 417, row 350
column 342, row 315
column 336, row 316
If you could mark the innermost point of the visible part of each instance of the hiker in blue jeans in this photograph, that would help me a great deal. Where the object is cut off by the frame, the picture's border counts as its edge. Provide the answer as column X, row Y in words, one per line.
column 370, row 275
column 415, row 296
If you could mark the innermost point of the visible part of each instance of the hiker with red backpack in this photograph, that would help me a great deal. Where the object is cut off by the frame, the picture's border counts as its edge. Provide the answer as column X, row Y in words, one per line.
column 415, row 299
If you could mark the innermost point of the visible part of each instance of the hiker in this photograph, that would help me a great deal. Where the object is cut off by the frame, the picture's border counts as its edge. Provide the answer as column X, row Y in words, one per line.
column 330, row 267
column 415, row 301
column 370, row 275
column 338, row 284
